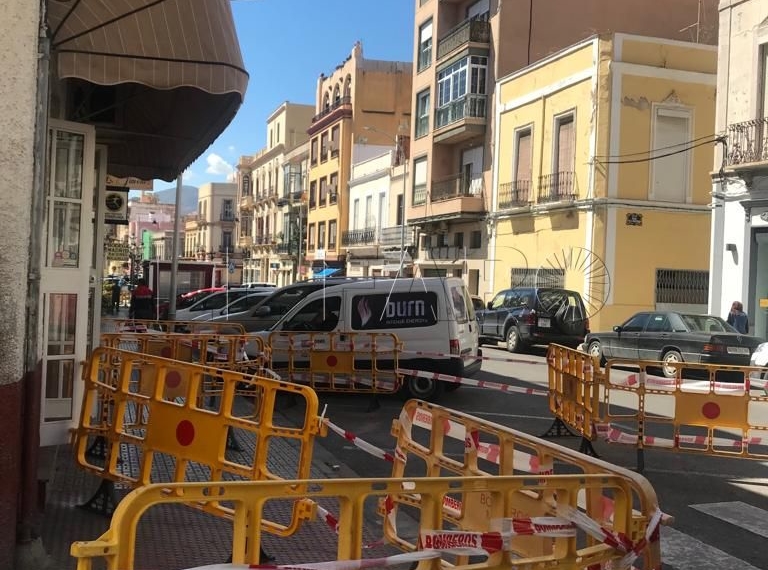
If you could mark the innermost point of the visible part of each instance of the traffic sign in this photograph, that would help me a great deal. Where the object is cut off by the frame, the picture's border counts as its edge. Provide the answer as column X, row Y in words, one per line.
column 231, row 267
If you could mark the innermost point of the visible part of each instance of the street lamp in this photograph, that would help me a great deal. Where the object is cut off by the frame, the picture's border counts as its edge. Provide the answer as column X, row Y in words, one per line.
column 399, row 151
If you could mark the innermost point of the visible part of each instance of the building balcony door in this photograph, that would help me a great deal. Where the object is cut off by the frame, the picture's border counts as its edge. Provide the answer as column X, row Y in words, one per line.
column 65, row 276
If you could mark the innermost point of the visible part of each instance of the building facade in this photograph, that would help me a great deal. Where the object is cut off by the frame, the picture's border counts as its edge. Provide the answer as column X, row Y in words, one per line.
column 603, row 162
column 461, row 47
column 261, row 179
column 360, row 110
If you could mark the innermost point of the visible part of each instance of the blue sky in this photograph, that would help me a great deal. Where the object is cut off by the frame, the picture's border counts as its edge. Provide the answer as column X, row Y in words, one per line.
column 286, row 44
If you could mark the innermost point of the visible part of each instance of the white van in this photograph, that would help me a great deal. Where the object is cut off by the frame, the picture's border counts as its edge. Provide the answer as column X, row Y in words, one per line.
column 433, row 315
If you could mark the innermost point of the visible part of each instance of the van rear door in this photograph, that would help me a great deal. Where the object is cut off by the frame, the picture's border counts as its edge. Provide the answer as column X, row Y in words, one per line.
column 466, row 332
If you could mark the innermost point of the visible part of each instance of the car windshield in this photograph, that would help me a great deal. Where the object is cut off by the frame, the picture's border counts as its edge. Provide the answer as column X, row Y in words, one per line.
column 246, row 302
column 706, row 323
column 281, row 302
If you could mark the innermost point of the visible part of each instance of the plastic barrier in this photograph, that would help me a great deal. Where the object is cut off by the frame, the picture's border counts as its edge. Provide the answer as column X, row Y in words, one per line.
column 570, row 539
column 157, row 424
column 221, row 351
column 434, row 441
column 143, row 325
column 337, row 362
column 695, row 412
column 574, row 395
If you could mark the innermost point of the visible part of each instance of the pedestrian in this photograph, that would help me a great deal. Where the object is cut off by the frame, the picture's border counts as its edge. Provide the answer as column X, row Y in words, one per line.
column 737, row 318
column 117, row 290
column 142, row 306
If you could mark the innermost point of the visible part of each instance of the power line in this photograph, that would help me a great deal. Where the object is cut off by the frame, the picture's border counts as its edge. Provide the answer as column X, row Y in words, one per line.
column 650, row 158
column 639, row 153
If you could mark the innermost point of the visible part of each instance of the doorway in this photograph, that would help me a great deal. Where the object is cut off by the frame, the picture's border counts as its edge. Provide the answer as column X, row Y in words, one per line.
column 758, row 284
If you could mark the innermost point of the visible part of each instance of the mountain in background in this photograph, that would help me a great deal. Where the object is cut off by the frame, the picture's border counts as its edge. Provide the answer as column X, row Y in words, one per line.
column 188, row 198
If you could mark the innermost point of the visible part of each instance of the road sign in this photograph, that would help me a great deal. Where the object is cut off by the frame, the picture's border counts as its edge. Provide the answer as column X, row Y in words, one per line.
column 231, row 267
column 320, row 254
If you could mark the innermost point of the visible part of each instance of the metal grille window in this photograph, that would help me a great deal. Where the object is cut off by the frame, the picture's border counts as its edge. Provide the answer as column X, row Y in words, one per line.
column 681, row 286
column 527, row 277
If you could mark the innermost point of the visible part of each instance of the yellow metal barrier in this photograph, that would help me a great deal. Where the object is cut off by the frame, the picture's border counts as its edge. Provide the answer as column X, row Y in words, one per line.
column 194, row 327
column 435, row 441
column 152, row 413
column 337, row 362
column 250, row 500
column 574, row 396
column 221, row 351
column 695, row 412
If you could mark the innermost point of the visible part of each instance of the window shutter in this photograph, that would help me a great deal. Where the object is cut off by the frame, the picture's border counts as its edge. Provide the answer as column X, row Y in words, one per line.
column 523, row 164
column 565, row 150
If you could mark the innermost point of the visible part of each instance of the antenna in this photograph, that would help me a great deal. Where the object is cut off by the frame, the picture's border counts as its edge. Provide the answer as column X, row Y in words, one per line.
column 696, row 24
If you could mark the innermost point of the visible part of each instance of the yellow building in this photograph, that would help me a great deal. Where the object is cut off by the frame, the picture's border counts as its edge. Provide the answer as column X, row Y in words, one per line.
column 601, row 178
column 361, row 109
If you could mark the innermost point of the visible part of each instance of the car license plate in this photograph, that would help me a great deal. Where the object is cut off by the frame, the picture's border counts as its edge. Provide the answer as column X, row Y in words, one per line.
column 544, row 323
column 738, row 350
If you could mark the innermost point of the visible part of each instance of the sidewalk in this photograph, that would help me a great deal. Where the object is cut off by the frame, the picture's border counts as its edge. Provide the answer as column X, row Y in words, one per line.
column 176, row 537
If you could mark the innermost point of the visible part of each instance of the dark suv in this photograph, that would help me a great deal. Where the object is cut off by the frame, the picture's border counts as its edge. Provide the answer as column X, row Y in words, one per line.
column 523, row 317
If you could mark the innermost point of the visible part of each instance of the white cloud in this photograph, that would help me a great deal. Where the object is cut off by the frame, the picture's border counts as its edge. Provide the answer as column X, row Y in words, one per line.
column 217, row 165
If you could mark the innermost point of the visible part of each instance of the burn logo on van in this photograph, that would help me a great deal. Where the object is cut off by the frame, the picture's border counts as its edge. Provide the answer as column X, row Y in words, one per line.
column 395, row 311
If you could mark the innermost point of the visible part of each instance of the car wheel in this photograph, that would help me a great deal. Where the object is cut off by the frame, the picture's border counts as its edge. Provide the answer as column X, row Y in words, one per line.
column 671, row 357
column 595, row 350
column 422, row 388
column 513, row 340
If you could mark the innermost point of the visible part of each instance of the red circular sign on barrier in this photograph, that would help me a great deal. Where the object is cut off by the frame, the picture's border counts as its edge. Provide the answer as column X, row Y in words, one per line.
column 710, row 410
column 331, row 360
column 185, row 432
column 173, row 379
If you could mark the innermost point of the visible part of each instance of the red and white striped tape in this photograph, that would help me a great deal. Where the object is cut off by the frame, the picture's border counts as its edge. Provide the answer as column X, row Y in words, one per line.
column 472, row 382
column 361, row 443
column 612, row 434
column 386, row 562
column 702, row 386
column 473, row 357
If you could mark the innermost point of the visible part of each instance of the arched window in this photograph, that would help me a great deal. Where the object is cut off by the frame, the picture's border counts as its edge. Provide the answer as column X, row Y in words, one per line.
column 326, row 102
column 348, row 86
column 336, row 94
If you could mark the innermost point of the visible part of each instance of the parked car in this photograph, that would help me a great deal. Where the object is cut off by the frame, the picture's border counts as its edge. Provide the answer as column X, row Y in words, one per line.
column 431, row 314
column 673, row 337
column 188, row 299
column 528, row 316
column 210, row 303
column 264, row 315
column 231, row 312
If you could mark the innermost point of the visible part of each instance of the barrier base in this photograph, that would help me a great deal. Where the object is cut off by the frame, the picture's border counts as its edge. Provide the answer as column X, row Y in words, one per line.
column 104, row 500
column 559, row 429
column 586, row 447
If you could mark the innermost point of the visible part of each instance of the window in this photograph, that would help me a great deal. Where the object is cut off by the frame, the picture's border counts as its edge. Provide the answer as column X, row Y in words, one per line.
column 381, row 212
column 333, row 188
column 442, row 240
column 313, row 194
column 564, row 145
column 426, row 241
column 368, row 212
column 313, row 152
column 762, row 110
column 323, row 191
column 419, row 181
column 226, row 241
column 636, row 323
column 324, row 147
column 425, row 46
column 479, row 11
column 456, row 100
column 228, row 210
column 670, row 174
column 321, row 235
column 270, row 138
column 476, row 239
column 246, row 186
column 311, row 232
column 319, row 315
column 335, row 141
column 400, row 198
column 332, row 235
column 422, row 113
column 522, row 167
column 356, row 215
column 278, row 134
column 682, row 287
column 658, row 323
column 458, row 239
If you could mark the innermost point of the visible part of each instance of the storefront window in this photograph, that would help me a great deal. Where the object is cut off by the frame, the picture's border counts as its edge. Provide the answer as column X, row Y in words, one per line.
column 65, row 200
column 60, row 365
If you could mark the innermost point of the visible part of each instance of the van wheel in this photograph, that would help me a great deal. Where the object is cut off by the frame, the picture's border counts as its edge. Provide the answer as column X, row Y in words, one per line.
column 422, row 388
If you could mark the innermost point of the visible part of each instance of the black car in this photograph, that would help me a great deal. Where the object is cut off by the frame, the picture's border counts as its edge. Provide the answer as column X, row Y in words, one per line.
column 672, row 337
column 523, row 317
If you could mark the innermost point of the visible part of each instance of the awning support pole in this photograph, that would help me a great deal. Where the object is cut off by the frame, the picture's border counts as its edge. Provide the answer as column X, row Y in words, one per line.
column 175, row 251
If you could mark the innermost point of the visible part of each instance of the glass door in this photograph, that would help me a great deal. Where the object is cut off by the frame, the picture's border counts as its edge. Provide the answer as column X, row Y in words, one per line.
column 66, row 275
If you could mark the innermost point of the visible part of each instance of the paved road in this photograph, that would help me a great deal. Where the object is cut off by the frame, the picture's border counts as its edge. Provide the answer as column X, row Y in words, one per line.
column 720, row 505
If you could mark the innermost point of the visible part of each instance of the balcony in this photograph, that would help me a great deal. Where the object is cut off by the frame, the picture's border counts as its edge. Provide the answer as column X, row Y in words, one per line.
column 246, row 202
column 515, row 194
column 469, row 31
column 557, row 187
column 461, row 119
column 748, row 146
column 284, row 200
column 340, row 108
column 394, row 236
column 228, row 217
column 456, row 186
column 258, row 239
column 366, row 236
column 245, row 241
column 285, row 248
column 201, row 221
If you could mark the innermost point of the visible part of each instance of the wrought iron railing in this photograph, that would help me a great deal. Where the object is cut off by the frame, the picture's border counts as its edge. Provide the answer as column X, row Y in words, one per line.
column 456, row 186
column 747, row 142
column 366, row 236
column 468, row 31
column 514, row 194
column 331, row 108
column 228, row 217
column 557, row 187
column 469, row 106
column 394, row 235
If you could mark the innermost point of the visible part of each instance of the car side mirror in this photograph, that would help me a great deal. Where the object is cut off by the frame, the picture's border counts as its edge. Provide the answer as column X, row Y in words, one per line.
column 262, row 311
column 617, row 329
column 489, row 304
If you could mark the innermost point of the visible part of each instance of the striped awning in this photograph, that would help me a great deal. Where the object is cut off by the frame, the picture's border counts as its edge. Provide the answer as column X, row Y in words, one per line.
column 172, row 72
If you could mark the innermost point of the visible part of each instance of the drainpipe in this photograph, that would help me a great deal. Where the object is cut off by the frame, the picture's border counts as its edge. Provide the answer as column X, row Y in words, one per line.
column 26, row 532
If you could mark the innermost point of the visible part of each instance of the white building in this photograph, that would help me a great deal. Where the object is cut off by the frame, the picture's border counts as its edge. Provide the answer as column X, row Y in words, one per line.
column 739, row 253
